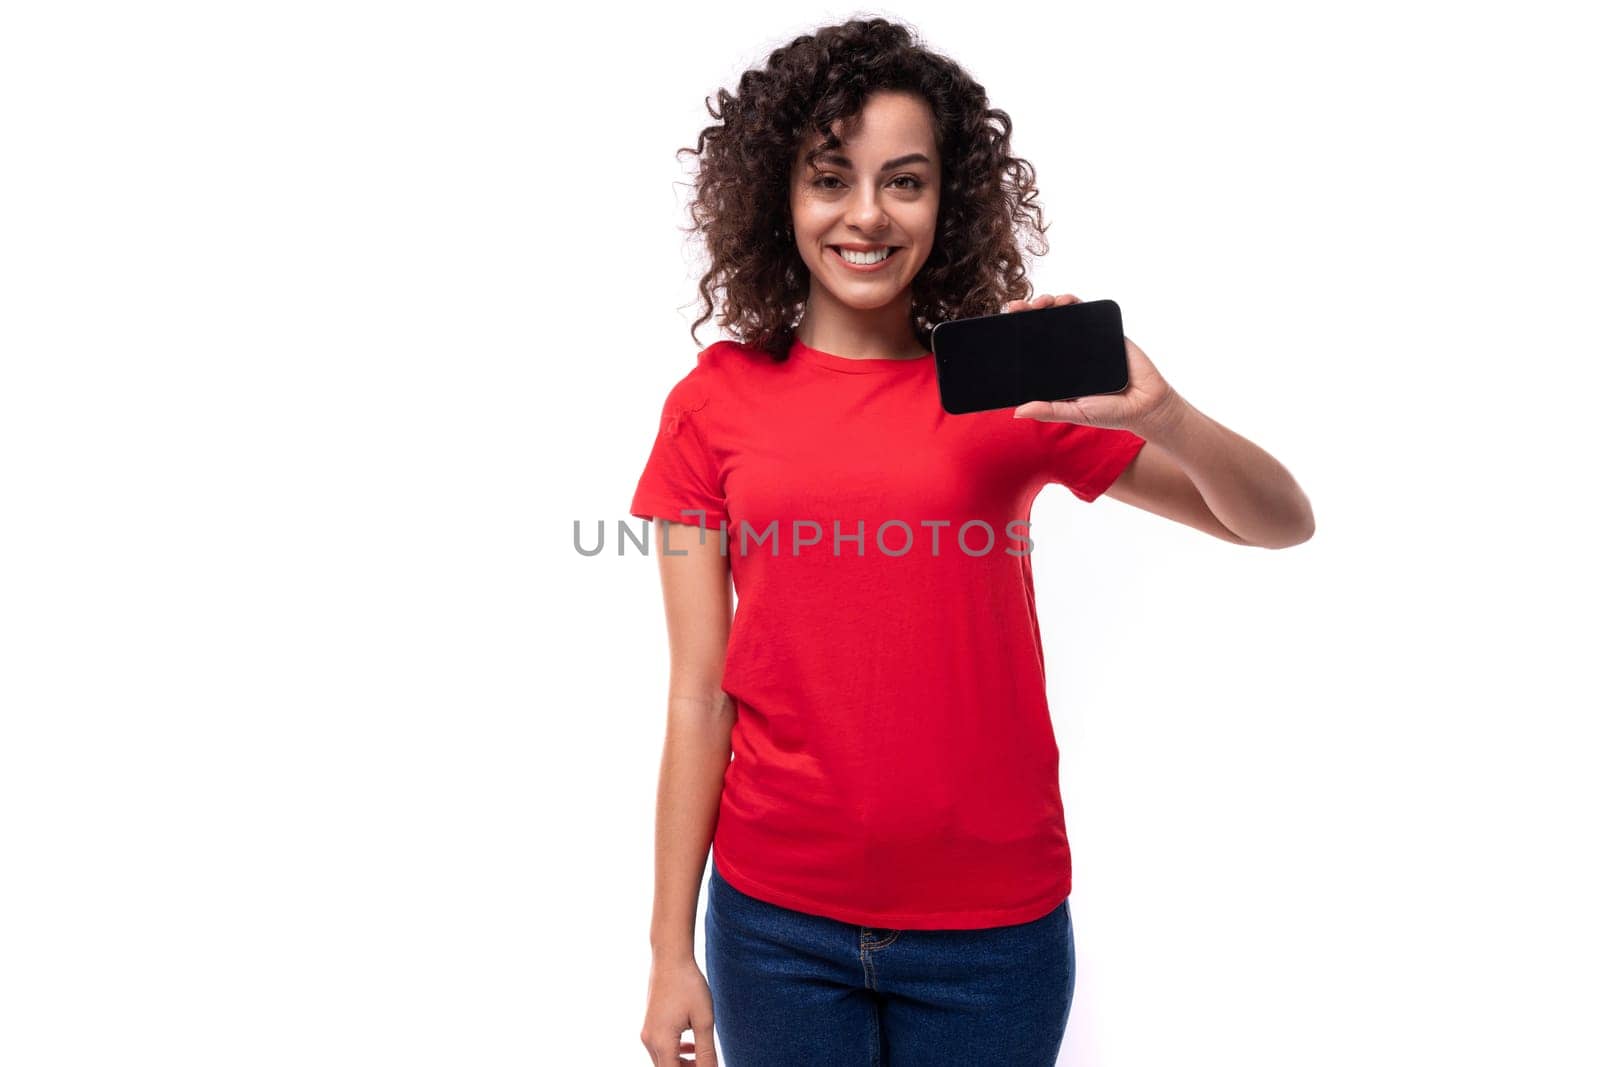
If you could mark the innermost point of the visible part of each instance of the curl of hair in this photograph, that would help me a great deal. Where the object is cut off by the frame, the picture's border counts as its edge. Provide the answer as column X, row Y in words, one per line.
column 740, row 205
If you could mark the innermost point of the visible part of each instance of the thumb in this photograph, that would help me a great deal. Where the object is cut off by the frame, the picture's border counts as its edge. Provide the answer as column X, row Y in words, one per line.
column 1031, row 410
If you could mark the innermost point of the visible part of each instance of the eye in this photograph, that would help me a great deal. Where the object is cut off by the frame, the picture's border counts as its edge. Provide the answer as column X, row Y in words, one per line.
column 916, row 183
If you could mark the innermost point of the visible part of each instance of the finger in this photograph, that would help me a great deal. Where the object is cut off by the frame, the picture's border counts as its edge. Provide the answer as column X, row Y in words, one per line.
column 1068, row 298
column 1050, row 411
column 705, row 1047
column 662, row 1050
column 1027, row 305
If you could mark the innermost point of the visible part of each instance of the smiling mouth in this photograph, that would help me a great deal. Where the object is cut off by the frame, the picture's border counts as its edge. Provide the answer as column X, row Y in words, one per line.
column 839, row 251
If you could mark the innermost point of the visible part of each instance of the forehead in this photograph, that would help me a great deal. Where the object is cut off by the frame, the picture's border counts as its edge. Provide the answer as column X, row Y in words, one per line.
column 890, row 124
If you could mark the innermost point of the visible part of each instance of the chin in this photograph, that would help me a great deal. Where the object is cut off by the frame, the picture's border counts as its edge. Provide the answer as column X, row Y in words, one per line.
column 860, row 302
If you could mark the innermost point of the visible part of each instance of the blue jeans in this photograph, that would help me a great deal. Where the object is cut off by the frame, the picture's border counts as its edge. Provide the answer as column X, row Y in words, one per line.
column 790, row 988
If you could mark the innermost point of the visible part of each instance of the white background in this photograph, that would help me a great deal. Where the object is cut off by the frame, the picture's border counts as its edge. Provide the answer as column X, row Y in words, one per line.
column 323, row 322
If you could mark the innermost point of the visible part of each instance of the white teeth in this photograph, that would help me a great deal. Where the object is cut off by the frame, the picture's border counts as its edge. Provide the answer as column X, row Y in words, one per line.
column 864, row 258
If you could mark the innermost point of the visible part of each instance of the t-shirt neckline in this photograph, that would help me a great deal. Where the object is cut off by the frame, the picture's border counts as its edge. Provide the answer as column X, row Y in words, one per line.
column 805, row 353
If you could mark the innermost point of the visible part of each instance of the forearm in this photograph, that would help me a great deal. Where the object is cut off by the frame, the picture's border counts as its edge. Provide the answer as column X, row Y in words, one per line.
column 1250, row 492
column 694, row 759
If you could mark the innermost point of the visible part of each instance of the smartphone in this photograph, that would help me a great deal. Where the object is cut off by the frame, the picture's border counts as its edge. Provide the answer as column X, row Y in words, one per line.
column 1055, row 353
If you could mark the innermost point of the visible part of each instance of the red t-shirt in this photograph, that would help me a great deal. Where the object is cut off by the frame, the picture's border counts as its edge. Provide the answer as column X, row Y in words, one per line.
column 894, row 762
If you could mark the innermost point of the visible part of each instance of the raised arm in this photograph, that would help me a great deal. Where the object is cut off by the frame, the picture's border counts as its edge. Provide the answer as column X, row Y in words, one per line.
column 1192, row 469
column 1198, row 472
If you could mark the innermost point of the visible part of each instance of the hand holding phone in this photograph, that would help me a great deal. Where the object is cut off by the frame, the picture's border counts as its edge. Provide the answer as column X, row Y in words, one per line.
column 1061, row 352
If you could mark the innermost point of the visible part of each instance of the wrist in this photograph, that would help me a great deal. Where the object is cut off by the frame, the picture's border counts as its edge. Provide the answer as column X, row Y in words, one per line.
column 671, row 953
column 1165, row 417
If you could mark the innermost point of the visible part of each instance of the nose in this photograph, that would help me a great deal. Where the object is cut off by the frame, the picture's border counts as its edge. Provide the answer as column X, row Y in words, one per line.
column 866, row 213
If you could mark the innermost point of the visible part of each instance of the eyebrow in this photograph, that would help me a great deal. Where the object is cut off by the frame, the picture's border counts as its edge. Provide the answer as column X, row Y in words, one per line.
column 839, row 160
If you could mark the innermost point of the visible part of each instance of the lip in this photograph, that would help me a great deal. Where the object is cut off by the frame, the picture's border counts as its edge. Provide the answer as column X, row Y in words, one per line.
column 833, row 250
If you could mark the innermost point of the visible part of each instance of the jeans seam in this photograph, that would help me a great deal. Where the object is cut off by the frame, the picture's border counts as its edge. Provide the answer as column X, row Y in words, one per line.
column 877, row 1040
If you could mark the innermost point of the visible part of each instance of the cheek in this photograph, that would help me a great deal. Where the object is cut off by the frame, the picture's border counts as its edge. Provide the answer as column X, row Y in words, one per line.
column 922, row 224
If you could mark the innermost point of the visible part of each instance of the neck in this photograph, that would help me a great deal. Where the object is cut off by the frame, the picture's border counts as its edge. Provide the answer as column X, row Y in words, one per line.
column 872, row 333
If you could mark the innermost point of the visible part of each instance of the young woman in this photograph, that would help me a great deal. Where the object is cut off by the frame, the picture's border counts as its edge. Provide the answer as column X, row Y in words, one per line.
column 890, row 864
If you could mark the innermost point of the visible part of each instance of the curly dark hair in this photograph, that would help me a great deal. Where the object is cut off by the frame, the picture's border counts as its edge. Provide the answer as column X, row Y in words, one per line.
column 741, row 200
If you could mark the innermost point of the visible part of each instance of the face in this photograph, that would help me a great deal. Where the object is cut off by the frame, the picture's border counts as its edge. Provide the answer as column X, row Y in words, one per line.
column 879, row 188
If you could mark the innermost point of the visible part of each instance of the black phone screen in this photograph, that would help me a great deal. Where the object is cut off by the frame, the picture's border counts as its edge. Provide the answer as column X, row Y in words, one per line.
column 1054, row 353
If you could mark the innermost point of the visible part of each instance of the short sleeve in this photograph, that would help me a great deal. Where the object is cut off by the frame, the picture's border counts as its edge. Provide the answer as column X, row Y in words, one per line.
column 1087, row 459
column 682, row 473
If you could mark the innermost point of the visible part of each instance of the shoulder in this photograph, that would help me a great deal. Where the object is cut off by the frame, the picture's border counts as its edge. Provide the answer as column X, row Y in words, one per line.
column 727, row 359
column 718, row 369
